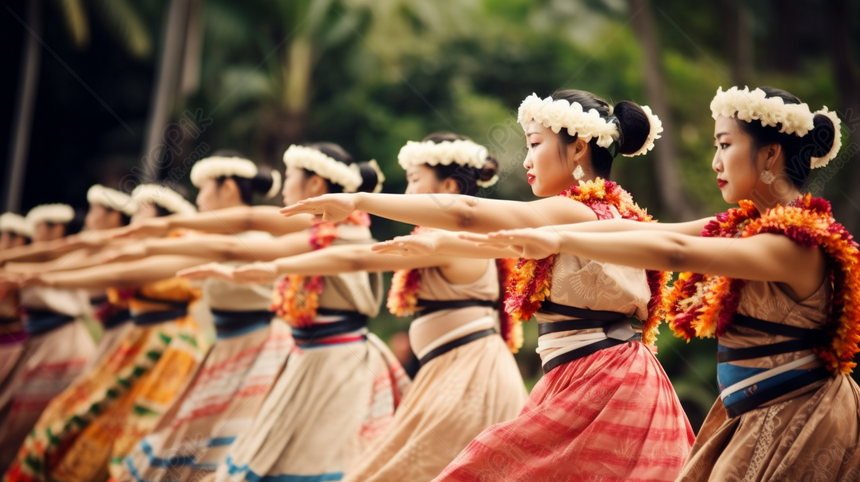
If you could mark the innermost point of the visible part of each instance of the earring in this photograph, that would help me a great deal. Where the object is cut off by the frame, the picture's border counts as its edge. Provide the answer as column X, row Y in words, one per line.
column 767, row 177
column 578, row 173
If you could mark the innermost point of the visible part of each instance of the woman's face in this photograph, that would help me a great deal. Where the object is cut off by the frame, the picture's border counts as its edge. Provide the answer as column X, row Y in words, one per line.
column 548, row 174
column 735, row 161
column 295, row 185
column 214, row 196
column 423, row 180
column 47, row 232
column 146, row 210
column 99, row 217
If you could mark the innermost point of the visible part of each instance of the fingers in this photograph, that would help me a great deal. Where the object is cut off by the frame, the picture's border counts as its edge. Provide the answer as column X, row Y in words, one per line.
column 300, row 207
column 475, row 238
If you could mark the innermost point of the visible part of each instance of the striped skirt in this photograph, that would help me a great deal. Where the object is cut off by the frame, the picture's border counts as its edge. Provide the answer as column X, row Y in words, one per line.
column 609, row 416
column 218, row 406
column 329, row 404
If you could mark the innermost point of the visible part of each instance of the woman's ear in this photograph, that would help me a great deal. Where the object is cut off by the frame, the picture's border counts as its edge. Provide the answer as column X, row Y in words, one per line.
column 450, row 186
column 576, row 151
column 771, row 154
column 315, row 186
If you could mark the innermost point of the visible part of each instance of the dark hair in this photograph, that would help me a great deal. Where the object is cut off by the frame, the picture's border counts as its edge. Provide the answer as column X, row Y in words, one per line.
column 797, row 151
column 259, row 184
column 369, row 177
column 633, row 127
column 467, row 177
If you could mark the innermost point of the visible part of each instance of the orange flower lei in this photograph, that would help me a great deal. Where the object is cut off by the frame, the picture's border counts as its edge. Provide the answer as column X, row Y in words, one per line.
column 703, row 305
column 296, row 297
column 403, row 299
column 531, row 279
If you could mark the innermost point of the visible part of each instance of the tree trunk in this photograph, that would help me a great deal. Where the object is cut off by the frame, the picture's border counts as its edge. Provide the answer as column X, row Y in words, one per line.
column 165, row 88
column 738, row 37
column 845, row 73
column 27, row 85
column 671, row 189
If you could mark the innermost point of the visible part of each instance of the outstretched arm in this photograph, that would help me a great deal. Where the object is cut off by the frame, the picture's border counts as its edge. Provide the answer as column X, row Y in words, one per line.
column 324, row 262
column 448, row 211
column 222, row 221
column 763, row 257
column 690, row 228
column 134, row 273
column 439, row 242
column 219, row 247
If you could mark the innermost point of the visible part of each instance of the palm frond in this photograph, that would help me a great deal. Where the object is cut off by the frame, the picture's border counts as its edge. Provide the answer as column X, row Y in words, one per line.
column 75, row 19
column 126, row 25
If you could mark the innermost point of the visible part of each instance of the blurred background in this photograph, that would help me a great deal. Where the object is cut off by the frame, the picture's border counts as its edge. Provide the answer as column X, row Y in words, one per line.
column 124, row 91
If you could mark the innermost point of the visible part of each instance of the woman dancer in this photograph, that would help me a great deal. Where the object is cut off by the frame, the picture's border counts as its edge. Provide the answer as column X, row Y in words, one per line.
column 775, row 280
column 104, row 413
column 605, row 408
column 58, row 346
column 468, row 379
column 340, row 386
column 249, row 351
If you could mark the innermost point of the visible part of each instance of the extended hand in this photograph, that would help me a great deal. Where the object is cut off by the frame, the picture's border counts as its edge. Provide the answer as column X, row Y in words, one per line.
column 210, row 270
column 525, row 243
column 150, row 228
column 255, row 273
column 425, row 243
column 332, row 207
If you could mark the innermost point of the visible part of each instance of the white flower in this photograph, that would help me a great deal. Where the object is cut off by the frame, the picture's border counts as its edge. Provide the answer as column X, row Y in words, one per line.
column 217, row 166
column 460, row 152
column 164, row 197
column 50, row 213
column 349, row 177
column 15, row 223
column 749, row 105
column 837, row 139
column 561, row 114
column 111, row 199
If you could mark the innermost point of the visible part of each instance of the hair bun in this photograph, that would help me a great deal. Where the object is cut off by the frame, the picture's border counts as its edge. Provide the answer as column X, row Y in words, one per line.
column 825, row 138
column 267, row 182
column 639, row 128
column 489, row 174
column 372, row 176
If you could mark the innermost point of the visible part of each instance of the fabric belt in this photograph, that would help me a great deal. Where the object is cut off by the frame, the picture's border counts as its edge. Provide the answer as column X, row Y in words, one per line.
column 804, row 339
column 463, row 340
column 230, row 323
column 425, row 307
column 586, row 320
column 43, row 321
column 351, row 322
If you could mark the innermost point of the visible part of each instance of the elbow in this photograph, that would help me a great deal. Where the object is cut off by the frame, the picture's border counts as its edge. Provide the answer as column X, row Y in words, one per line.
column 676, row 253
column 465, row 213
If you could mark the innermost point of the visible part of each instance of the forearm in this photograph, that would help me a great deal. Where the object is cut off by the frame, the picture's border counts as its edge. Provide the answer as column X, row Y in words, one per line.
column 346, row 259
column 451, row 245
column 121, row 275
column 240, row 219
column 36, row 252
column 691, row 228
column 442, row 211
column 74, row 260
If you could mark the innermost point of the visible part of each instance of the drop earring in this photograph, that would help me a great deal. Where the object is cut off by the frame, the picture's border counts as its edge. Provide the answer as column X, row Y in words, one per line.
column 767, row 177
column 578, row 173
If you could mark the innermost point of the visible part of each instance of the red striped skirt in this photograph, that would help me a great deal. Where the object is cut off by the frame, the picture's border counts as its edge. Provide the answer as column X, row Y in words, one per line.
column 613, row 415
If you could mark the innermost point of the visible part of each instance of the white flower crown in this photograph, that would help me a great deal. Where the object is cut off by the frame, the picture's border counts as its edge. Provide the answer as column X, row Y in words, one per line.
column 461, row 152
column 111, row 199
column 349, row 177
column 164, row 197
column 50, row 213
column 561, row 114
column 795, row 119
column 218, row 166
column 15, row 223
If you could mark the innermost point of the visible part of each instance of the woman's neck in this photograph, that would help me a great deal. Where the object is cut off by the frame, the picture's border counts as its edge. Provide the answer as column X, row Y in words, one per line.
column 763, row 203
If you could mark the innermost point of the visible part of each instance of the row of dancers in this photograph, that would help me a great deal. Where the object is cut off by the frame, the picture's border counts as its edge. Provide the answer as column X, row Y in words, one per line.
column 293, row 387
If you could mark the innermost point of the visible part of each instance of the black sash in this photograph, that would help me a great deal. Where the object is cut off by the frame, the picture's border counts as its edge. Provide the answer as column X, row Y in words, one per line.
column 42, row 321
column 463, row 340
column 425, row 307
column 228, row 322
column 804, row 339
column 587, row 320
column 352, row 321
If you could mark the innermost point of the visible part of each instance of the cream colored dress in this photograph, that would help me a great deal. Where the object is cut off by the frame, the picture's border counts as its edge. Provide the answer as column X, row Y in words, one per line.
column 455, row 395
column 332, row 399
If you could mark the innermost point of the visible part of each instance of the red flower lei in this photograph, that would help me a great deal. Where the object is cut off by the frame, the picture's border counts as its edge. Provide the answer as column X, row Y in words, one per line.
column 703, row 305
column 403, row 299
column 531, row 279
column 296, row 297
column 117, row 301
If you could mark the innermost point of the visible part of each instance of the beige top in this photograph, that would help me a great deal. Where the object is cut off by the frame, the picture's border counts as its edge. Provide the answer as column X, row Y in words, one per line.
column 357, row 291
column 767, row 301
column 592, row 285
column 224, row 295
column 74, row 303
column 437, row 328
